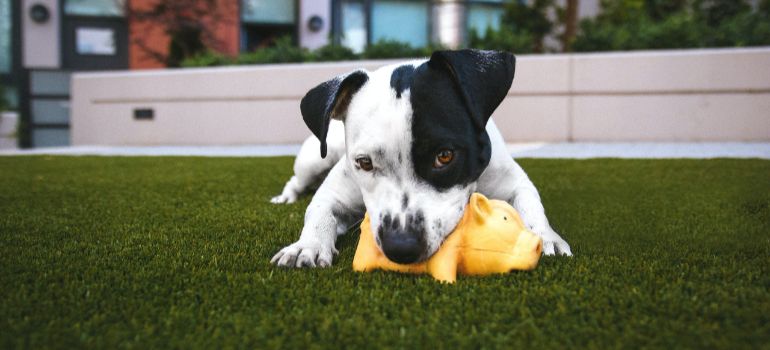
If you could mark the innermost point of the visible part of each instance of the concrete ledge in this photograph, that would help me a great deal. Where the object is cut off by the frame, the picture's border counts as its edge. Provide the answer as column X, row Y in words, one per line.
column 679, row 96
column 644, row 150
column 685, row 71
column 8, row 125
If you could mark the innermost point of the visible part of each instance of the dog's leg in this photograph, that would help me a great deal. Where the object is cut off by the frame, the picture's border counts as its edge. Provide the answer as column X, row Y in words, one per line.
column 505, row 179
column 309, row 167
column 525, row 198
column 335, row 206
column 527, row 201
column 514, row 186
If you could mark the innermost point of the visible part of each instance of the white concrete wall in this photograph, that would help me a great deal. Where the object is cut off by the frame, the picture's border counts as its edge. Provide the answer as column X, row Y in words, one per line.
column 8, row 128
column 40, row 41
column 213, row 106
column 694, row 95
column 307, row 9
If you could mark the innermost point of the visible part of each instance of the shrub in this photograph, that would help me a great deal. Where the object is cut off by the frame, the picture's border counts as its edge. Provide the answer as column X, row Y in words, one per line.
column 208, row 59
column 746, row 29
column 504, row 40
column 680, row 30
column 522, row 28
column 714, row 12
column 184, row 42
column 333, row 52
column 639, row 24
column 528, row 22
column 392, row 49
column 284, row 51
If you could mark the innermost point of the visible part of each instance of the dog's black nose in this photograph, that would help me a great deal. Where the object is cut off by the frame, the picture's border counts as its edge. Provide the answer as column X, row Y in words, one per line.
column 401, row 247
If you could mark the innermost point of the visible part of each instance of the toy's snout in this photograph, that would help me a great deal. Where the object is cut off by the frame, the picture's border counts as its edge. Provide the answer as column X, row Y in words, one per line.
column 526, row 252
column 529, row 243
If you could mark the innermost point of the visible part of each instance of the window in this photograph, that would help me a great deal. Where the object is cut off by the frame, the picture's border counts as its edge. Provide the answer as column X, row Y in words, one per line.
column 484, row 14
column 104, row 8
column 353, row 25
column 404, row 21
column 6, row 60
column 362, row 22
column 268, row 11
column 264, row 21
column 9, row 77
column 95, row 41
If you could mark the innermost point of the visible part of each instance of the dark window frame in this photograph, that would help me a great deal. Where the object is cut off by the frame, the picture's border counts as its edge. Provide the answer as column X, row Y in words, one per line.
column 15, row 77
column 336, row 27
column 63, row 11
column 18, row 77
column 75, row 61
column 293, row 27
column 52, row 97
column 78, row 61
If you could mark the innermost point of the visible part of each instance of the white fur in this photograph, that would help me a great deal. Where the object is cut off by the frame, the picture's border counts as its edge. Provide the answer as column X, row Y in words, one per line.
column 377, row 120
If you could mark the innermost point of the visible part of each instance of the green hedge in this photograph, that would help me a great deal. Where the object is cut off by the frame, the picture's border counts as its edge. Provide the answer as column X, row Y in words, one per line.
column 634, row 25
column 622, row 25
column 637, row 25
column 284, row 51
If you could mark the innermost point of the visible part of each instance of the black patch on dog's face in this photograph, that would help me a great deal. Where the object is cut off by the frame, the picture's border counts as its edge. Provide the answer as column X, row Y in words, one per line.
column 441, row 121
column 401, row 79
column 453, row 96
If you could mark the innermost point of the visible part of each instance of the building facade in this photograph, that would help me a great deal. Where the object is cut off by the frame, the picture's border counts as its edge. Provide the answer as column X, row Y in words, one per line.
column 42, row 42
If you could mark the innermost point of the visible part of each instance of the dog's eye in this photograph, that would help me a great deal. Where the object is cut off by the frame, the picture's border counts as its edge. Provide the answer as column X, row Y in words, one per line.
column 364, row 163
column 443, row 158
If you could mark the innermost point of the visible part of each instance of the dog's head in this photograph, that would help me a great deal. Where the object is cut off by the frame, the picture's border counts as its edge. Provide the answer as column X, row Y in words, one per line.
column 416, row 140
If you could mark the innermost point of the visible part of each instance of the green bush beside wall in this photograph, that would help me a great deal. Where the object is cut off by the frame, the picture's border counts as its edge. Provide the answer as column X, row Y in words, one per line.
column 622, row 25
column 284, row 51
column 640, row 25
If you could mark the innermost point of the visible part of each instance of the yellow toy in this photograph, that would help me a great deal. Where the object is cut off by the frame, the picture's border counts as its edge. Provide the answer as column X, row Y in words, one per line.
column 490, row 238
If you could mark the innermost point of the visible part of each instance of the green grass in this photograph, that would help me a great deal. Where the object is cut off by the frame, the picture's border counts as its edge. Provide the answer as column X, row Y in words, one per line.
column 174, row 252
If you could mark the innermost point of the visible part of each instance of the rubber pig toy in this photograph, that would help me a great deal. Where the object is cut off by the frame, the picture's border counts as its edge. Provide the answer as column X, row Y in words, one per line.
column 489, row 239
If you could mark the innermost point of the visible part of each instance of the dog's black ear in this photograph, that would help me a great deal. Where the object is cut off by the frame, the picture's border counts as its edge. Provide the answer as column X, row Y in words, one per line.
column 330, row 100
column 482, row 77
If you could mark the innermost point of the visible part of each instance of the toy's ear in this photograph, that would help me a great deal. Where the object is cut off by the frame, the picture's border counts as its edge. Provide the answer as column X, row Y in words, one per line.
column 330, row 100
column 480, row 206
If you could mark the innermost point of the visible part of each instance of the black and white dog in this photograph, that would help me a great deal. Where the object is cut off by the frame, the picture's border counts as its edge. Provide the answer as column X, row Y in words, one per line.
column 417, row 140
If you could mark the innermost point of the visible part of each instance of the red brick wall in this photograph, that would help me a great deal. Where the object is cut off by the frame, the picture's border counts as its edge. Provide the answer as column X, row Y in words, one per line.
column 224, row 27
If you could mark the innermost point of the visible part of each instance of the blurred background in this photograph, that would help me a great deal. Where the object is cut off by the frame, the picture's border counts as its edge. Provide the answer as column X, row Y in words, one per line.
column 44, row 43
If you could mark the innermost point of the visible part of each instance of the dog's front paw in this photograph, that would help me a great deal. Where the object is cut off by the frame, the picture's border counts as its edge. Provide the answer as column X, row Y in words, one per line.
column 302, row 254
column 553, row 244
column 283, row 198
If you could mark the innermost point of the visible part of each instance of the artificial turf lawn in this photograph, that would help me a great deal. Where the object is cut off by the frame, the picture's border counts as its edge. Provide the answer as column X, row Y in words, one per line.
column 173, row 252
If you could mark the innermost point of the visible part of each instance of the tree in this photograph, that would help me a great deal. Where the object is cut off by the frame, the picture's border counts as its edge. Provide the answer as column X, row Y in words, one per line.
column 569, row 17
column 523, row 20
column 189, row 25
column 714, row 12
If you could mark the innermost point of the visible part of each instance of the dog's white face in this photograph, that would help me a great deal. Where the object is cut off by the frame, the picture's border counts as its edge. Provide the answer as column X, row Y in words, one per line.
column 409, row 217
column 415, row 141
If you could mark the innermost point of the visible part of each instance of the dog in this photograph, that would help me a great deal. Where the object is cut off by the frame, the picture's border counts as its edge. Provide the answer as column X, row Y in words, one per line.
column 409, row 143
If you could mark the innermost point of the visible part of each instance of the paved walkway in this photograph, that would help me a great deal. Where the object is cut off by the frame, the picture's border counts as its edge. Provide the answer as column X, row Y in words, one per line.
column 518, row 150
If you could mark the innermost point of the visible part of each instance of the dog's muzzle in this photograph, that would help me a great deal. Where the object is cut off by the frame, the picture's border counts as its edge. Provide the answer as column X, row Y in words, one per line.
column 401, row 247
